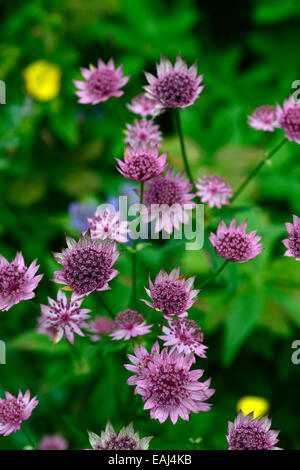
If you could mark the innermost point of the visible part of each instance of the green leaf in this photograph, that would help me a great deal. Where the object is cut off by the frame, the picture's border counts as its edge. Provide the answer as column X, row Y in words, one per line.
column 31, row 341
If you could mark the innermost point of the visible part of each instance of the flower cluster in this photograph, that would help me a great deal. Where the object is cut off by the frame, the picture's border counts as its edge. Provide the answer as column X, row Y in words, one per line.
column 129, row 324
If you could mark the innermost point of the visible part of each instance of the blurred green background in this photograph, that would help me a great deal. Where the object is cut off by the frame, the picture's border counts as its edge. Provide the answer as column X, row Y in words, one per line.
column 58, row 152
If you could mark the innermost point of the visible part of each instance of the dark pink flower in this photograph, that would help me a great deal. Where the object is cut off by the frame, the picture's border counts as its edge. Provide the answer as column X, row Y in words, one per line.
column 234, row 243
column 293, row 243
column 101, row 83
column 171, row 293
column 127, row 439
column 64, row 316
column 246, row 433
column 214, row 190
column 17, row 282
column 185, row 336
column 144, row 106
column 143, row 134
column 175, row 86
column 88, row 265
column 168, row 387
column 263, row 118
column 289, row 119
column 141, row 165
column 15, row 410
column 129, row 324
column 53, row 442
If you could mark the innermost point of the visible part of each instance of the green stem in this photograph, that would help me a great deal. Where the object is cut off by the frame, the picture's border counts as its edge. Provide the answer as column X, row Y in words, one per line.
column 254, row 172
column 107, row 308
column 213, row 276
column 27, row 436
column 180, row 134
column 134, row 273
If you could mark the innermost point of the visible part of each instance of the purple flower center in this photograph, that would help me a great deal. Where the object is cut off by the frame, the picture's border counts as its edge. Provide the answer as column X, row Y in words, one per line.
column 290, row 121
column 294, row 245
column 167, row 385
column 87, row 268
column 119, row 443
column 11, row 411
column 102, row 82
column 170, row 297
column 128, row 319
column 11, row 279
column 233, row 246
column 163, row 191
column 265, row 113
column 175, row 89
column 142, row 165
column 249, row 437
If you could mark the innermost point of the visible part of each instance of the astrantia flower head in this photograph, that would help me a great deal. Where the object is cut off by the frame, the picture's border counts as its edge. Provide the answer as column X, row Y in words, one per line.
column 263, row 118
column 144, row 106
column 88, row 265
column 171, row 293
column 214, row 190
column 168, row 387
column 53, row 442
column 107, row 225
column 100, row 326
column 185, row 336
column 246, row 433
column 143, row 134
column 129, row 324
column 17, row 282
column 64, row 316
column 289, row 119
column 234, row 243
column 101, row 83
column 127, row 439
column 167, row 198
column 15, row 410
column 175, row 86
column 142, row 165
column 293, row 243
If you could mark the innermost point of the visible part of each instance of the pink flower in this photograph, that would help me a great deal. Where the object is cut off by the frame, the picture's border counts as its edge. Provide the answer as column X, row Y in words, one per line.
column 127, row 439
column 171, row 293
column 167, row 198
column 263, row 118
column 64, row 316
column 288, row 118
column 143, row 134
column 246, row 433
column 293, row 243
column 53, row 442
column 88, row 265
column 141, row 165
column 129, row 324
column 101, row 83
column 100, row 326
column 15, row 410
column 185, row 336
column 234, row 244
column 17, row 282
column 175, row 86
column 168, row 387
column 214, row 190
column 144, row 106
column 107, row 225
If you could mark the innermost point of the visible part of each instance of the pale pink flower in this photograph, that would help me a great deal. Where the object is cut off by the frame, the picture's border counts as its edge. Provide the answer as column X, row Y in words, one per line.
column 234, row 243
column 175, row 86
column 145, row 106
column 185, row 336
column 129, row 324
column 141, row 165
column 107, row 225
column 64, row 316
column 53, row 442
column 17, row 282
column 214, row 190
column 293, row 243
column 168, row 387
column 143, row 134
column 102, row 82
column 127, row 439
column 100, row 326
column 264, row 118
column 15, row 410
column 288, row 118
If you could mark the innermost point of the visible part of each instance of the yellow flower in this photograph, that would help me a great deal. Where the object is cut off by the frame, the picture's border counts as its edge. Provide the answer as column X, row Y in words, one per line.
column 259, row 406
column 42, row 80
